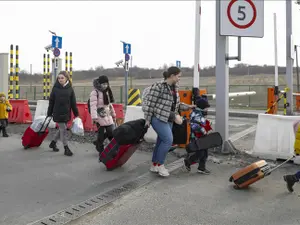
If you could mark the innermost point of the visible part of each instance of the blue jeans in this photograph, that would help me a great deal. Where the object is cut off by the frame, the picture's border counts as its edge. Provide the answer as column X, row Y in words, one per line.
column 164, row 140
column 298, row 175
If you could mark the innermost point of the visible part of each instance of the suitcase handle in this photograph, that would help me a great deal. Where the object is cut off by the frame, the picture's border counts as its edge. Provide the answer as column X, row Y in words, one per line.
column 276, row 167
column 40, row 131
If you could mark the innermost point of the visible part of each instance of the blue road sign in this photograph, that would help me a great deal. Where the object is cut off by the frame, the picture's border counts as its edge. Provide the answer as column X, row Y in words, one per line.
column 178, row 64
column 56, row 52
column 127, row 57
column 126, row 48
column 56, row 42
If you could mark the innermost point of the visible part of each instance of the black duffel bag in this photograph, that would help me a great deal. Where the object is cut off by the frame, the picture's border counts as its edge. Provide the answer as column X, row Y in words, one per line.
column 130, row 132
column 211, row 140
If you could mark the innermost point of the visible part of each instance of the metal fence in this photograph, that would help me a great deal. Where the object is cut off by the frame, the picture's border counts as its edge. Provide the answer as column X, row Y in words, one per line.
column 258, row 101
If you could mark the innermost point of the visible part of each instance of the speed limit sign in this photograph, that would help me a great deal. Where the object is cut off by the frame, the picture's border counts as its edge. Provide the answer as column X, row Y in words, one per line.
column 244, row 18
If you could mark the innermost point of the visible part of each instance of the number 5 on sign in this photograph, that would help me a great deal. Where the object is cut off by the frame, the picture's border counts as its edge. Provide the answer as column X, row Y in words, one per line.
column 244, row 18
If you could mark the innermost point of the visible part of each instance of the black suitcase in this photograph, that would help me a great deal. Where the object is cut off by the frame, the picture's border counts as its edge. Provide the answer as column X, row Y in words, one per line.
column 211, row 140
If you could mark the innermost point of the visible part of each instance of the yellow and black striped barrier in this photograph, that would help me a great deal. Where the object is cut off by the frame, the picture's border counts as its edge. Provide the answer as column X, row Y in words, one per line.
column 67, row 60
column 44, row 78
column 134, row 97
column 14, row 74
column 71, row 67
column 11, row 74
column 17, row 73
column 48, row 76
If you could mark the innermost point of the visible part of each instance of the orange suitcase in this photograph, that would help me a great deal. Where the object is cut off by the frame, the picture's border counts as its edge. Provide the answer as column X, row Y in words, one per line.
column 250, row 174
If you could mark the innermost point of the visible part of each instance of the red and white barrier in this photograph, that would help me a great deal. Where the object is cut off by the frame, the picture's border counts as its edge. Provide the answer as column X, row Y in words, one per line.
column 42, row 107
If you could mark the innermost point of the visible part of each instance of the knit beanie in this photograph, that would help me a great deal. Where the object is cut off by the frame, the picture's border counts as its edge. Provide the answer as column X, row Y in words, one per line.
column 103, row 79
column 202, row 102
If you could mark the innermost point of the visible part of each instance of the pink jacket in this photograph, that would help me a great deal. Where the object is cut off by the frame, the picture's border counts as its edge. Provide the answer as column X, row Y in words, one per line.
column 107, row 111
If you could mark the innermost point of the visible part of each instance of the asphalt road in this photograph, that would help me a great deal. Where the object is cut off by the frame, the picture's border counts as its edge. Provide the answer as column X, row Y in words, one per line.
column 38, row 182
column 190, row 199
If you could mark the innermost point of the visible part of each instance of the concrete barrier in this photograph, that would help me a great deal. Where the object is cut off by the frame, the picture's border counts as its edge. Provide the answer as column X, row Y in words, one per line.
column 275, row 137
column 134, row 113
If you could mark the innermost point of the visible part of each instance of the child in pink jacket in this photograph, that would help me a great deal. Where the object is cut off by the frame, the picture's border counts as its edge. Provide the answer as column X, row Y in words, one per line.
column 102, row 111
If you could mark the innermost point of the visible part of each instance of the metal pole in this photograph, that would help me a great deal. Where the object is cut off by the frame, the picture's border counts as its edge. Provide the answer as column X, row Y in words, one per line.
column 276, row 55
column 276, row 89
column 197, row 44
column 289, row 55
column 297, row 68
column 126, row 86
column 222, row 80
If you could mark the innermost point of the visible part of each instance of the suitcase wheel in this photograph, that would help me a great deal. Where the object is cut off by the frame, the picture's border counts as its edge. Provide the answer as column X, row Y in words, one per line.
column 236, row 187
column 231, row 179
column 26, row 147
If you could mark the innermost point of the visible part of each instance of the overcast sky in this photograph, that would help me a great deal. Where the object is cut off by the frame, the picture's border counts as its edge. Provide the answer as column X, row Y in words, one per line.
column 159, row 31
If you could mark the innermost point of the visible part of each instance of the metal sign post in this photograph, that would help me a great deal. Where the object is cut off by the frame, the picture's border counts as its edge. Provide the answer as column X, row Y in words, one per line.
column 126, row 52
column 289, row 57
column 196, row 76
column 241, row 18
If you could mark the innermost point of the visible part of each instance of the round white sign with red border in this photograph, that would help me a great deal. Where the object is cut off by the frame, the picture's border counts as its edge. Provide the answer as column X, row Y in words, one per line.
column 232, row 20
column 244, row 18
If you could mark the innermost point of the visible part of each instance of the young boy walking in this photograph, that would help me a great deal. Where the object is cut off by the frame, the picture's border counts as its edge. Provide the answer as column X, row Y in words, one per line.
column 200, row 126
column 5, row 107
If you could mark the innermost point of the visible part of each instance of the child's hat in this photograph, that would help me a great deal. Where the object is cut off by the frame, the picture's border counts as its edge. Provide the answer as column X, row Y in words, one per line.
column 202, row 102
column 2, row 94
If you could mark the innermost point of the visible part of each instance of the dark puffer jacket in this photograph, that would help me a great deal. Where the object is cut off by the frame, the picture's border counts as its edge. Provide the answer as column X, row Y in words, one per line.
column 62, row 100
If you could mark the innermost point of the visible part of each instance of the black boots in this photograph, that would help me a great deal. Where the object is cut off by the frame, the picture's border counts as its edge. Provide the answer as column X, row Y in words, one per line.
column 55, row 149
column 3, row 129
column 4, row 132
column 53, row 146
column 68, row 151
column 290, row 181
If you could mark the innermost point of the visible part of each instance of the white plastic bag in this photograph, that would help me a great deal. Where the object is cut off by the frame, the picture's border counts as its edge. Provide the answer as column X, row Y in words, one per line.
column 40, row 125
column 77, row 127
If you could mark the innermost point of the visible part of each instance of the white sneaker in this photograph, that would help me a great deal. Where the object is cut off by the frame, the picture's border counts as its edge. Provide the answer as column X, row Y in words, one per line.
column 154, row 169
column 162, row 171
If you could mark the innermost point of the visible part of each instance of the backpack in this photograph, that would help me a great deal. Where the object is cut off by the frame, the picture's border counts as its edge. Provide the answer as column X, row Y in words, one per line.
column 89, row 102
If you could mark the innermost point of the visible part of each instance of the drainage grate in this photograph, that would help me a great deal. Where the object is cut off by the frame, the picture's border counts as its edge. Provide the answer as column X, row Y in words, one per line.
column 74, row 212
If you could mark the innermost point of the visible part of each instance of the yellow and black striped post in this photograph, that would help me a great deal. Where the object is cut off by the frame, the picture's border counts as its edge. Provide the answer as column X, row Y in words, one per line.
column 48, row 76
column 11, row 74
column 17, row 73
column 71, row 67
column 134, row 97
column 44, row 78
column 66, row 62
column 285, row 103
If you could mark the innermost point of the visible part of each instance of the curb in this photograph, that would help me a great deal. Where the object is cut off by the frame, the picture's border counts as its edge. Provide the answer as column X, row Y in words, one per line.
column 237, row 114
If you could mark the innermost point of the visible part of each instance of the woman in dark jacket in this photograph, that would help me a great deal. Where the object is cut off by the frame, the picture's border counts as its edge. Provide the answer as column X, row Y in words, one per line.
column 62, row 100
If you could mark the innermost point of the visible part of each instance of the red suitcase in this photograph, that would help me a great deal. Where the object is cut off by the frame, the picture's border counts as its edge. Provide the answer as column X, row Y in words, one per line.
column 115, row 155
column 33, row 139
